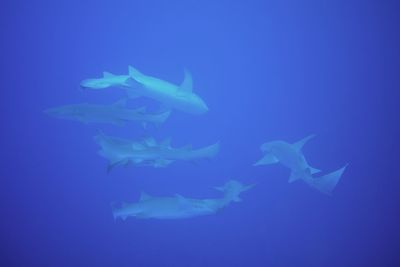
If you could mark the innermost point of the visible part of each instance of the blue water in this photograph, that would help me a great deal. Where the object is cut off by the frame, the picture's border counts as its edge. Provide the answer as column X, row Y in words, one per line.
column 267, row 70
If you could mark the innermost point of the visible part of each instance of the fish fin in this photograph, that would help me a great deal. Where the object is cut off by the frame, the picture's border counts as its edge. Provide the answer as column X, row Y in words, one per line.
column 182, row 199
column 120, row 103
column 267, row 159
column 107, row 74
column 144, row 125
column 114, row 163
column 313, row 170
column 137, row 146
column 144, row 196
column 131, row 93
column 150, row 142
column 326, row 183
column 140, row 110
column 294, row 176
column 137, row 161
column 134, row 73
column 166, row 143
column 219, row 188
column 187, row 84
column 237, row 199
column 162, row 163
column 299, row 144
column 187, row 147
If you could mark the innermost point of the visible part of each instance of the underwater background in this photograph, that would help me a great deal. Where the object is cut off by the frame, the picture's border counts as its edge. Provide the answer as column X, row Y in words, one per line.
column 268, row 70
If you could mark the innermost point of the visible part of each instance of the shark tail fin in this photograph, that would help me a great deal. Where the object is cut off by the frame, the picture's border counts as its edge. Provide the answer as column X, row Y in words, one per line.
column 327, row 183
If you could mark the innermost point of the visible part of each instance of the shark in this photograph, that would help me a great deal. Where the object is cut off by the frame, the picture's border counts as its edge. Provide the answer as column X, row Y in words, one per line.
column 108, row 80
column 178, row 206
column 291, row 156
column 180, row 97
column 116, row 114
column 148, row 152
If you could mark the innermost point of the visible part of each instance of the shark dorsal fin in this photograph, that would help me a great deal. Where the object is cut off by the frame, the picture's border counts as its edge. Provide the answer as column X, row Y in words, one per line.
column 134, row 73
column 120, row 103
column 181, row 199
column 219, row 188
column 187, row 147
column 187, row 84
column 299, row 144
column 107, row 74
column 144, row 196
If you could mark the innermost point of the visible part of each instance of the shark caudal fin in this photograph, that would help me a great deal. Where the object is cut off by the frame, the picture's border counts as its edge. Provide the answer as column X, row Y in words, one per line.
column 115, row 208
column 327, row 183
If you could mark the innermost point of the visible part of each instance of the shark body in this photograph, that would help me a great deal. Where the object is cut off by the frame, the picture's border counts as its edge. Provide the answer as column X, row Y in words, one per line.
column 291, row 156
column 116, row 114
column 179, row 207
column 180, row 97
column 148, row 152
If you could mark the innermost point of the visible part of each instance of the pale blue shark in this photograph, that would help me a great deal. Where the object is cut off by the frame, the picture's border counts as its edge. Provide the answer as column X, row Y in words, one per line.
column 148, row 152
column 180, row 97
column 179, row 207
column 116, row 114
column 291, row 156
column 108, row 80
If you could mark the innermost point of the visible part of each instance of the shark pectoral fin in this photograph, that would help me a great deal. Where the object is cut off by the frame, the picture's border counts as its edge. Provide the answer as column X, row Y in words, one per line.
column 123, row 217
column 237, row 199
column 150, row 142
column 219, row 188
column 112, row 164
column 120, row 103
column 187, row 84
column 131, row 93
column 313, row 170
column 140, row 110
column 162, row 163
column 299, row 144
column 294, row 176
column 107, row 74
column 267, row 159
column 166, row 143
column 137, row 146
